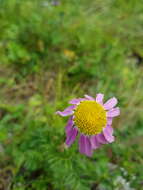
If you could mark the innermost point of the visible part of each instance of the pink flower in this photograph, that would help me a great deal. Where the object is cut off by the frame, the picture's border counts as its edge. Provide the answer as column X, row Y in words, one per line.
column 92, row 119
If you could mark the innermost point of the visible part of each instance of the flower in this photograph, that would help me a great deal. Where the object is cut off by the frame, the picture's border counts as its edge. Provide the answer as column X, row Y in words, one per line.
column 69, row 54
column 55, row 3
column 92, row 119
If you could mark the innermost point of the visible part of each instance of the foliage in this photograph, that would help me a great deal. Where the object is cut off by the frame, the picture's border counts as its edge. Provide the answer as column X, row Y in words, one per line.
column 50, row 52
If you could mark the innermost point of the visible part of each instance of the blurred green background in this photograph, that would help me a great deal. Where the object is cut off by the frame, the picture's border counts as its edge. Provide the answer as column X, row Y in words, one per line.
column 50, row 52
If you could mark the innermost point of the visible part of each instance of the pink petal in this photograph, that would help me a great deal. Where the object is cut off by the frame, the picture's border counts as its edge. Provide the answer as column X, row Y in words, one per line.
column 94, row 142
column 85, row 146
column 89, row 97
column 76, row 100
column 71, row 136
column 69, row 125
column 67, row 111
column 99, row 98
column 110, row 103
column 82, row 144
column 109, row 120
column 108, row 131
column 88, row 147
column 113, row 112
column 101, row 139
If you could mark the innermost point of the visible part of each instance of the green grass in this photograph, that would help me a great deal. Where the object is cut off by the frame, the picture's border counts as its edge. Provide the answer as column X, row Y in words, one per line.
column 50, row 54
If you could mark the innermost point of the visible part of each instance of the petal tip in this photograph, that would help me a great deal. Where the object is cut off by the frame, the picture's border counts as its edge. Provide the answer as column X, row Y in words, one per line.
column 110, row 104
column 99, row 98
column 88, row 97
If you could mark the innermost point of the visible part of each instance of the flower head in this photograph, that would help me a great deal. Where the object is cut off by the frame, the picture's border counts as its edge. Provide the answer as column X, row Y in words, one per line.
column 92, row 119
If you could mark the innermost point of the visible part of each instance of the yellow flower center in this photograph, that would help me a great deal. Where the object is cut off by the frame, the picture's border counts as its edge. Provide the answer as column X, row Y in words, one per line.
column 90, row 117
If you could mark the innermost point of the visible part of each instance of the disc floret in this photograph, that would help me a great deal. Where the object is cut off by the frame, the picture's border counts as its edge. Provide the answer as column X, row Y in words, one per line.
column 90, row 117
